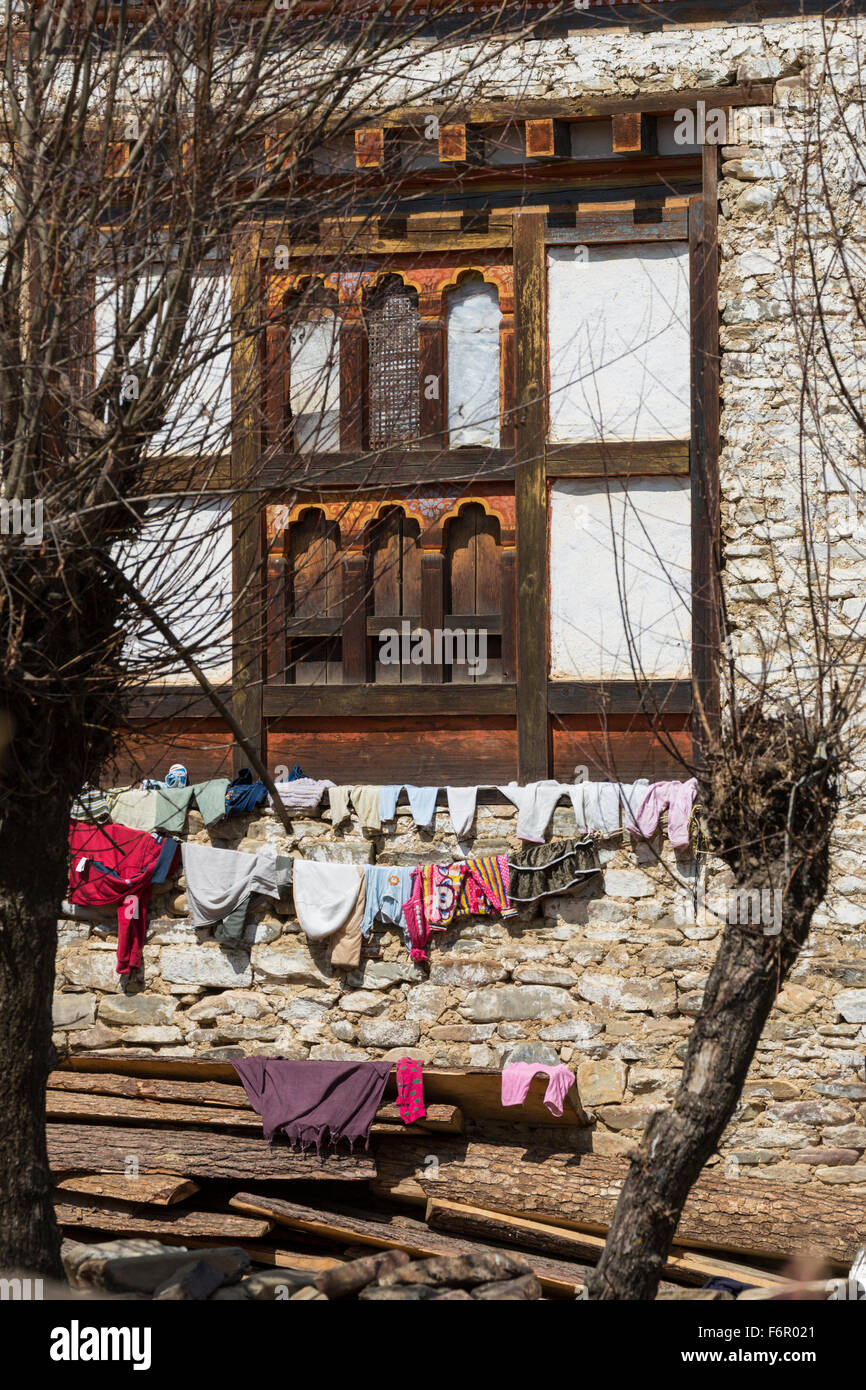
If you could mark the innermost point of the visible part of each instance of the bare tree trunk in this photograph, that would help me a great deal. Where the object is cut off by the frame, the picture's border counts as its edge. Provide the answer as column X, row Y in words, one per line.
column 32, row 879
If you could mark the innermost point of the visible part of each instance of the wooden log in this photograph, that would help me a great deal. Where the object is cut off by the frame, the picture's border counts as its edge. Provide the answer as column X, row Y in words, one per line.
column 766, row 1220
column 116, row 1216
column 60, row 1105
column 556, row 1276
column 122, row 1098
column 154, row 1189
column 684, row 1265
column 194, row 1152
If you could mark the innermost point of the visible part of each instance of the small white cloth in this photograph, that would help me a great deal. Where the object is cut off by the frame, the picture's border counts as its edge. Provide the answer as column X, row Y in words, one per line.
column 461, row 808
column 325, row 894
column 600, row 808
column 535, row 803
column 218, row 880
column 303, row 794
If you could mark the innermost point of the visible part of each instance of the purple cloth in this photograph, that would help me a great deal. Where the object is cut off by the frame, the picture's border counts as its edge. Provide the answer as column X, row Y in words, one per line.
column 314, row 1103
column 677, row 798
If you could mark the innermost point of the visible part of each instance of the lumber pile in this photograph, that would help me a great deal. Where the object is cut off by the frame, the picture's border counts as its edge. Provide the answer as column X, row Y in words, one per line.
column 474, row 1188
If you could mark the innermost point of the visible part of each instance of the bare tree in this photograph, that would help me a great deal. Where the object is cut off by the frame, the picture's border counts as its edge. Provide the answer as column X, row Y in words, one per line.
column 140, row 147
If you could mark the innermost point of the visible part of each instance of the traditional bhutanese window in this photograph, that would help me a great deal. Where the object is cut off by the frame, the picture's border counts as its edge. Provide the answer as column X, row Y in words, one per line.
column 314, row 371
column 394, row 371
column 472, row 326
column 474, row 597
column 314, row 601
column 395, row 588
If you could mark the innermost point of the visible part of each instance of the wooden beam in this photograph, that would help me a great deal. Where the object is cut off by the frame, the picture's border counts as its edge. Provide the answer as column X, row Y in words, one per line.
column 247, row 547
column 646, row 457
column 116, row 1217
column 397, row 1233
column 196, row 1153
column 372, row 701
column 370, row 148
column 706, row 524
column 689, row 1266
column 547, row 138
column 153, row 1189
column 530, row 488
column 633, row 132
column 619, row 697
column 750, row 1216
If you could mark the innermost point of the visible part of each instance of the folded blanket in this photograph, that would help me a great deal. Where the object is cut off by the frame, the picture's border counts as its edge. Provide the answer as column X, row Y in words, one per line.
column 314, row 1103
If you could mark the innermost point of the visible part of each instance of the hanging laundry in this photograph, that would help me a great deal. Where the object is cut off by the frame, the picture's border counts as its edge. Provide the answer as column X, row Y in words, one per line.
column 535, row 803
column 540, row 870
column 134, row 808
column 314, row 1104
column 517, row 1078
column 218, row 881
column 602, row 808
column 678, row 799
column 422, row 803
column 387, row 889
column 90, row 805
column 485, row 887
column 173, row 804
column 244, row 794
column 325, row 895
column 410, row 1090
column 461, row 808
column 365, row 800
column 301, row 793
column 346, row 940
column 114, row 864
column 432, row 905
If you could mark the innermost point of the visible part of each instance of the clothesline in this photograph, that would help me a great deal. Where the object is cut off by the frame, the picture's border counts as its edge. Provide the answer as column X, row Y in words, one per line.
column 600, row 808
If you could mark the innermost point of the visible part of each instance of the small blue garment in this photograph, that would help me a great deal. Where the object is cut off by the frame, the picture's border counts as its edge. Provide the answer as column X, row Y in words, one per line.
column 244, row 794
column 296, row 772
column 422, row 803
column 387, row 889
column 165, row 861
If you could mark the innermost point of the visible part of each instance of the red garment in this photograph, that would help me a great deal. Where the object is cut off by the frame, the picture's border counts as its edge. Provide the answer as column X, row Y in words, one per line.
column 113, row 864
column 410, row 1090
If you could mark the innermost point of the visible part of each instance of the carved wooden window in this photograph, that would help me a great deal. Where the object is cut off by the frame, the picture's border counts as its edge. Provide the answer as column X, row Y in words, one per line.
column 474, row 597
column 395, row 593
column 314, row 601
column 394, row 365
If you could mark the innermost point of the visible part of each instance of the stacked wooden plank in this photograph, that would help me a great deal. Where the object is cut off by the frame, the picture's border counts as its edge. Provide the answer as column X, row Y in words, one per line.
column 170, row 1148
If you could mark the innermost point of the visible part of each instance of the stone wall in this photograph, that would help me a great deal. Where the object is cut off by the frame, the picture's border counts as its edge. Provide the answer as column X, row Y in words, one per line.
column 606, row 979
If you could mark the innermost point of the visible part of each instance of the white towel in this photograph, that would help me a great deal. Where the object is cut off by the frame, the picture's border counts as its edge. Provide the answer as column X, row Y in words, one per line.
column 325, row 894
column 303, row 794
column 461, row 808
column 217, row 880
column 535, row 803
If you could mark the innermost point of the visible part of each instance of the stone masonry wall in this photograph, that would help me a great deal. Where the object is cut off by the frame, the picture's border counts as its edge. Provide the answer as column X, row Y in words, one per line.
column 606, row 979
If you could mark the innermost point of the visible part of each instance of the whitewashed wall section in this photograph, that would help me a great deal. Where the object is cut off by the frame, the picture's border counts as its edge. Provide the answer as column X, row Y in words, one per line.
column 182, row 562
column 314, row 383
column 610, row 541
column 198, row 418
column 619, row 342
column 473, row 320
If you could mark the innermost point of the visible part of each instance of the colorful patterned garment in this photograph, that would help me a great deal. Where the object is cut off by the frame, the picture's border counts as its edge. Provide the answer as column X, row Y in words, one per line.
column 410, row 1090
column 433, row 903
column 485, row 888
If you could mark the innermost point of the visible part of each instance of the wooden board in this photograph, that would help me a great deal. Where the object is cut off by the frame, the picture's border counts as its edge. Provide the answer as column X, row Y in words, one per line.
column 582, row 1245
column 766, row 1220
column 556, row 1276
column 154, row 1189
column 117, row 1217
column 193, row 1152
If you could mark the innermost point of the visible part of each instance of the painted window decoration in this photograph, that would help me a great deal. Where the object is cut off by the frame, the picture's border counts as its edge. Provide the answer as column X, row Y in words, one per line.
column 394, row 366
column 620, row 579
column 473, row 325
column 618, row 318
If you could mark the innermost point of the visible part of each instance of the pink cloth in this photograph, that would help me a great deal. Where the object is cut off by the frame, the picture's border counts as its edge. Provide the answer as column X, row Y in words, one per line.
column 410, row 1090
column 677, row 798
column 517, row 1078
